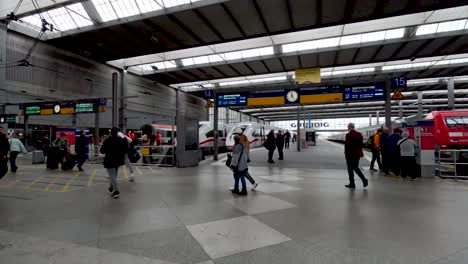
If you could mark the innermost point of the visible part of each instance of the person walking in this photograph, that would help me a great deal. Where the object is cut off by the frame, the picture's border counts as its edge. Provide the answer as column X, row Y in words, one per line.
column 246, row 142
column 4, row 149
column 287, row 138
column 63, row 147
column 239, row 166
column 80, row 149
column 16, row 147
column 353, row 153
column 114, row 148
column 408, row 159
column 383, row 150
column 294, row 139
column 127, row 162
column 270, row 145
column 393, row 152
column 375, row 148
column 280, row 144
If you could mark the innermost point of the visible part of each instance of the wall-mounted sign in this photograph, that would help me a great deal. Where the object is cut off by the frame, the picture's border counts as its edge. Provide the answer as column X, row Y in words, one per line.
column 7, row 119
column 208, row 94
column 323, row 94
column 266, row 98
column 399, row 83
column 364, row 92
column 65, row 107
column 238, row 99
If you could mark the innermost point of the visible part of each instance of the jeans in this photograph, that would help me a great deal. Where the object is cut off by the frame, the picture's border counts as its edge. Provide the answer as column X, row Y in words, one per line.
column 280, row 152
column 286, row 144
column 353, row 166
column 270, row 154
column 240, row 175
column 113, row 172
column 81, row 159
column 375, row 157
column 249, row 177
column 13, row 155
column 385, row 162
column 128, row 164
column 407, row 167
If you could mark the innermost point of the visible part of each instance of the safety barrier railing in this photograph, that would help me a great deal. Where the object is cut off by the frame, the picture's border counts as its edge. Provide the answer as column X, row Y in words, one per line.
column 452, row 161
column 163, row 155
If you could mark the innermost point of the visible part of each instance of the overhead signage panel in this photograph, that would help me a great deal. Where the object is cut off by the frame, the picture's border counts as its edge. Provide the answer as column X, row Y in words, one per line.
column 65, row 107
column 308, row 75
column 33, row 110
column 7, row 119
column 323, row 94
column 266, row 98
column 238, row 99
column 84, row 108
column 364, row 92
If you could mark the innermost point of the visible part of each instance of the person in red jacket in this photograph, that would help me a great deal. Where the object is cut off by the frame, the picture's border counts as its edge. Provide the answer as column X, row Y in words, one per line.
column 353, row 153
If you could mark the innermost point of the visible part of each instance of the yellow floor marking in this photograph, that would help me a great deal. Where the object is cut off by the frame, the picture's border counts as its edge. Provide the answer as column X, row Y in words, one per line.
column 91, row 178
column 34, row 182
column 139, row 171
column 51, row 183
column 69, row 182
column 125, row 172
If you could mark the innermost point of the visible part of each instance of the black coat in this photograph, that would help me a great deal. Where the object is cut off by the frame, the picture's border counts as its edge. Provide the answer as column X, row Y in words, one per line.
column 80, row 145
column 270, row 144
column 280, row 141
column 4, row 145
column 114, row 149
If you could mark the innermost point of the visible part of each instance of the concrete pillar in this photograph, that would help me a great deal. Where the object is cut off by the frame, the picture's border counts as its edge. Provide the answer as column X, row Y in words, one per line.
column 377, row 115
column 3, row 60
column 388, row 105
column 215, row 127
column 115, row 102
column 96, row 133
column 400, row 109
column 370, row 119
column 123, row 101
column 451, row 93
column 298, row 128
column 420, row 103
column 227, row 115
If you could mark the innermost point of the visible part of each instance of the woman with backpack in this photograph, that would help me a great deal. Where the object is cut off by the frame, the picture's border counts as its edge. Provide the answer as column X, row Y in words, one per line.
column 239, row 166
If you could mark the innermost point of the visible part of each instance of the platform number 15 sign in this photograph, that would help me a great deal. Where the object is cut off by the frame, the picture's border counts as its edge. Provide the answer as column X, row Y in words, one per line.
column 399, row 83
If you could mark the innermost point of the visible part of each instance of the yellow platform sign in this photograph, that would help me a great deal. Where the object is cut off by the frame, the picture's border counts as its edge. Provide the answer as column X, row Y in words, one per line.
column 321, row 98
column 308, row 75
column 398, row 95
column 278, row 100
column 209, row 104
column 46, row 111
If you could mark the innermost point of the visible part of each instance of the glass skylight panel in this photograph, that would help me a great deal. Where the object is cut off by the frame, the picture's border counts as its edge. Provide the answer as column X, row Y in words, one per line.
column 233, row 55
column 266, row 51
column 233, row 83
column 63, row 18
column 329, row 42
column 215, row 58
column 293, row 47
column 250, row 53
column 105, row 9
column 146, row 6
column 125, row 8
column 374, row 36
column 459, row 61
column 170, row 64
column 270, row 79
column 353, row 39
column 188, row 62
column 395, row 33
column 162, row 65
column 451, row 26
column 426, row 29
column 201, row 60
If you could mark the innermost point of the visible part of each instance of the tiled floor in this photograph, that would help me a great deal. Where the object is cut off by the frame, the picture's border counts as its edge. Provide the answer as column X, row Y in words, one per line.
column 301, row 213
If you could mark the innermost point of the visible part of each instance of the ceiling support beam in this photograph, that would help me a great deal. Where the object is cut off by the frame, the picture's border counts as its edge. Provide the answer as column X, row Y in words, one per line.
column 353, row 61
column 250, row 68
column 208, row 24
column 220, row 72
column 162, row 32
column 266, row 66
column 185, row 28
column 376, row 53
column 446, row 44
column 260, row 15
column 233, row 19
column 318, row 13
column 234, row 69
column 290, row 15
column 398, row 50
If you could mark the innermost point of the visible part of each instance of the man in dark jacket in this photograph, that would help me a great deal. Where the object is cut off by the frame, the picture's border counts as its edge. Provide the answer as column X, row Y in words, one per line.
column 392, row 152
column 114, row 148
column 353, row 153
column 280, row 144
column 80, row 149
column 287, row 138
column 270, row 144
column 383, row 150
column 4, row 149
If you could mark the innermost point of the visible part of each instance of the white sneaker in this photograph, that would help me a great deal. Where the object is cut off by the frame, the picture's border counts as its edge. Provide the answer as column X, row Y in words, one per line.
column 132, row 177
column 231, row 188
column 254, row 186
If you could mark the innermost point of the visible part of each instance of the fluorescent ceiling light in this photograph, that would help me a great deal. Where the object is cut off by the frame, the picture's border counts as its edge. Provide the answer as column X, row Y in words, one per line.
column 63, row 18
column 155, row 66
column 229, row 56
column 426, row 64
column 442, row 27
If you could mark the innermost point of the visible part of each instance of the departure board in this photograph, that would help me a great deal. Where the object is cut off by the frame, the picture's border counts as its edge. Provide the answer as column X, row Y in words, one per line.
column 364, row 92
column 238, row 99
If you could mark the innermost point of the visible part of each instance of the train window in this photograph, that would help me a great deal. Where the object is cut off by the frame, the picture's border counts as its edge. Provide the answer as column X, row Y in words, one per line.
column 257, row 133
column 210, row 134
column 456, row 121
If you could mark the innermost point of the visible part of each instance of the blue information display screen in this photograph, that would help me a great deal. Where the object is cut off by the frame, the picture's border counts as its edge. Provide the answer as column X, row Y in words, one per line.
column 239, row 99
column 364, row 92
column 321, row 90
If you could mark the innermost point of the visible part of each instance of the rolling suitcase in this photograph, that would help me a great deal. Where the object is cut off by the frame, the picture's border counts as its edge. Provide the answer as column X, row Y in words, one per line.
column 38, row 157
column 69, row 163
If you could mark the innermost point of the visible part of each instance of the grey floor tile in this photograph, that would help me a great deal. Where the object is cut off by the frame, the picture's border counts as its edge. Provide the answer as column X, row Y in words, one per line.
column 232, row 236
column 174, row 245
column 203, row 212
column 256, row 203
column 274, row 187
column 281, row 178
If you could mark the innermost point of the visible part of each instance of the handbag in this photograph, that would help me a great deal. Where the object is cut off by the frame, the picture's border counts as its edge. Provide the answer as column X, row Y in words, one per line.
column 229, row 158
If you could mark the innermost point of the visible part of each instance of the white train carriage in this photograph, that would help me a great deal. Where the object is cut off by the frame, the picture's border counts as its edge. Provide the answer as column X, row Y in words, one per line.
column 206, row 136
column 255, row 132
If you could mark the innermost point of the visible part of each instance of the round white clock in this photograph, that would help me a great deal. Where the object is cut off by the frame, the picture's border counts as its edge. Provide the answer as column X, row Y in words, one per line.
column 57, row 109
column 2, row 120
column 292, row 96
